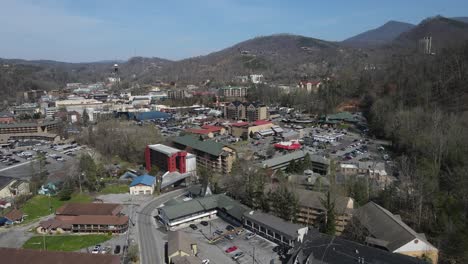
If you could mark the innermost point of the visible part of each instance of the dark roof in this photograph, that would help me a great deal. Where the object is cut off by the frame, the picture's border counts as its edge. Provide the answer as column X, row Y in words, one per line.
column 89, row 209
column 313, row 199
column 14, row 215
column 179, row 241
column 287, row 229
column 321, row 248
column 6, row 114
column 386, row 227
column 30, row 256
column 30, row 124
column 208, row 146
column 5, row 180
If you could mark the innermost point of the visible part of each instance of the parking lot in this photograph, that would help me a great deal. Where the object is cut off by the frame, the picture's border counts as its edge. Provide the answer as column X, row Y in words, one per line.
column 256, row 248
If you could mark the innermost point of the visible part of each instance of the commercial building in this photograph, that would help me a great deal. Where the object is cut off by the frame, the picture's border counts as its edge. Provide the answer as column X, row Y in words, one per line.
column 233, row 92
column 86, row 218
column 181, row 248
column 169, row 159
column 6, row 118
column 80, row 104
column 320, row 164
column 245, row 129
column 246, row 111
column 325, row 249
column 312, row 211
column 143, row 184
column 274, row 228
column 209, row 154
column 31, row 256
column 44, row 130
column 12, row 187
column 178, row 94
column 387, row 231
column 208, row 131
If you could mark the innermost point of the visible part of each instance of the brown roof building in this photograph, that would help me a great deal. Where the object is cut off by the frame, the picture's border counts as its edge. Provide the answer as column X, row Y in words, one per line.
column 30, row 256
column 15, row 215
column 87, row 218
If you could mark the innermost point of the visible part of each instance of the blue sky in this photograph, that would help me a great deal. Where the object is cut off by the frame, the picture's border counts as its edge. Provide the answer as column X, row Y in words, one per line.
column 91, row 30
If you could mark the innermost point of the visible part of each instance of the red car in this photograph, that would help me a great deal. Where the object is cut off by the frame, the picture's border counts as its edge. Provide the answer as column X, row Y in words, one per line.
column 231, row 249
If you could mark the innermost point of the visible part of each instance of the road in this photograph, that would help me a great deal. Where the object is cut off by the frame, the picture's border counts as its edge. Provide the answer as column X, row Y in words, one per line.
column 150, row 239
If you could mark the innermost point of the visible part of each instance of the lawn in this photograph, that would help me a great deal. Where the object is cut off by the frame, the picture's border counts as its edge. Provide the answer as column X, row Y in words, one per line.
column 115, row 188
column 38, row 206
column 65, row 242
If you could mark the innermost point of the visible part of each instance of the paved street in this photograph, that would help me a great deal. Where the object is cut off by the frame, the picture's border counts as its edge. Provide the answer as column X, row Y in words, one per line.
column 151, row 240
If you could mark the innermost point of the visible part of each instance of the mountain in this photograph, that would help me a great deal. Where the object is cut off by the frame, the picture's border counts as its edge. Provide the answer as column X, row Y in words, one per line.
column 445, row 33
column 281, row 57
column 461, row 19
column 378, row 36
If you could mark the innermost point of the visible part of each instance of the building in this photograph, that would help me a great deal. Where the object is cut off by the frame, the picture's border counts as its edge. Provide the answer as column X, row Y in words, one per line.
column 178, row 94
column 274, row 228
column 143, row 184
column 384, row 230
column 312, row 210
column 233, row 92
column 174, row 215
column 207, row 130
column 12, row 187
column 325, row 249
column 79, row 104
column 425, row 45
column 43, row 130
column 246, row 111
column 15, row 216
column 180, row 247
column 6, row 118
column 245, row 129
column 170, row 159
column 256, row 78
column 32, row 256
column 50, row 111
column 320, row 164
column 310, row 86
column 86, row 218
column 26, row 109
column 209, row 154
column 338, row 118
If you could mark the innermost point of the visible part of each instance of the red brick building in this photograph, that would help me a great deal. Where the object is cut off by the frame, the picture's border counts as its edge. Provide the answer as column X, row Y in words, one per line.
column 165, row 158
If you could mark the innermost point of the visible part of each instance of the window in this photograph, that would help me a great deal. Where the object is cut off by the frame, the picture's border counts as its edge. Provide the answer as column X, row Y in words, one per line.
column 263, row 229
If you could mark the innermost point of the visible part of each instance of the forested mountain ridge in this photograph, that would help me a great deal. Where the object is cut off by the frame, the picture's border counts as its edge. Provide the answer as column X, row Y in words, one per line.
column 378, row 36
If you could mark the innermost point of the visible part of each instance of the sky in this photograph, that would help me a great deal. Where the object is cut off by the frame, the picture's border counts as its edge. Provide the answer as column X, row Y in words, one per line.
column 95, row 30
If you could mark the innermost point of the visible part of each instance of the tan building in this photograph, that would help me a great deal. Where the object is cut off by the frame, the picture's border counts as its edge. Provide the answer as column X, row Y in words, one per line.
column 12, row 187
column 210, row 154
column 233, row 92
column 312, row 210
column 244, row 129
column 43, row 130
column 246, row 111
column 181, row 248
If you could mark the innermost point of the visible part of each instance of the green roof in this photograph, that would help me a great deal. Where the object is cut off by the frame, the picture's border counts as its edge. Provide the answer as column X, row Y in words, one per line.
column 342, row 116
column 208, row 146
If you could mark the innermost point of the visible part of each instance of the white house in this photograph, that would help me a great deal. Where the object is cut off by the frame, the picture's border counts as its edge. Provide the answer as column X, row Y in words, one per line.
column 143, row 184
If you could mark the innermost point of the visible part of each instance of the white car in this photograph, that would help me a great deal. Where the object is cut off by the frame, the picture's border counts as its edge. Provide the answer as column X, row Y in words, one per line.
column 205, row 261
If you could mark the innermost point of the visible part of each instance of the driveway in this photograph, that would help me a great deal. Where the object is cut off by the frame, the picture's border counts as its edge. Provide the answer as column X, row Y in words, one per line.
column 151, row 240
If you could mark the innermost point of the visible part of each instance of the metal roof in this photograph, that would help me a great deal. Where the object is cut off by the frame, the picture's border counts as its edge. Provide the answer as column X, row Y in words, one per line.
column 169, row 151
column 285, row 228
column 208, row 146
column 144, row 180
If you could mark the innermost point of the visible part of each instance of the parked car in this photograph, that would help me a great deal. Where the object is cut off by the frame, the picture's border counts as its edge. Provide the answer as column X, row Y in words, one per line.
column 231, row 249
column 240, row 231
column 238, row 255
column 218, row 232
column 249, row 236
column 96, row 249
column 229, row 228
column 117, row 249
column 204, row 223
column 193, row 226
column 205, row 261
column 230, row 237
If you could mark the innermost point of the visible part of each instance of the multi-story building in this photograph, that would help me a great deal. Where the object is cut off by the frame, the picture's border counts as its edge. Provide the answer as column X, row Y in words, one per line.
column 169, row 159
column 233, row 92
column 45, row 129
column 178, row 94
column 209, row 154
column 246, row 111
column 87, row 218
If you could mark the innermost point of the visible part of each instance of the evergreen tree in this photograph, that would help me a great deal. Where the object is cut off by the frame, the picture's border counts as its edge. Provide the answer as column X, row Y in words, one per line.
column 329, row 223
column 85, row 118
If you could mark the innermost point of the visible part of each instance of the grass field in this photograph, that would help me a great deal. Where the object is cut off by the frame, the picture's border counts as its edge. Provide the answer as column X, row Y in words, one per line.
column 65, row 242
column 38, row 206
column 115, row 188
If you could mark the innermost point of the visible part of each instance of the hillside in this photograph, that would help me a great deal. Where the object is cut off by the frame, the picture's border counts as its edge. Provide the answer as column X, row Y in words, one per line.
column 280, row 57
column 378, row 36
column 445, row 33
column 461, row 19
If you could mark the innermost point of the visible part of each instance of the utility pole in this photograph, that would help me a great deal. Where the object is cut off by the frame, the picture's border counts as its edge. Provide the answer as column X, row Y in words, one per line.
column 43, row 240
column 79, row 181
column 253, row 255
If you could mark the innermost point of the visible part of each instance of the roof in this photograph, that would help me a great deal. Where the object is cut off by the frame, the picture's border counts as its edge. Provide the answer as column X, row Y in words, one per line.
column 322, row 248
column 5, row 181
column 261, row 122
column 208, row 146
column 385, row 226
column 314, row 200
column 239, row 124
column 6, row 114
column 148, row 115
column 185, row 260
column 30, row 124
column 89, row 209
column 213, row 128
column 169, row 151
column 146, row 179
column 287, row 229
column 30, row 256
column 199, row 131
column 300, row 154
column 179, row 241
column 14, row 215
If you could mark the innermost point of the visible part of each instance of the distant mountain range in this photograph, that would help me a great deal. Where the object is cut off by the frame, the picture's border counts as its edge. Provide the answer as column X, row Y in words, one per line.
column 281, row 58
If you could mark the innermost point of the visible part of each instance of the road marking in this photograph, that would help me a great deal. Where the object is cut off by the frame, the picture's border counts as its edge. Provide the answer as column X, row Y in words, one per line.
column 17, row 165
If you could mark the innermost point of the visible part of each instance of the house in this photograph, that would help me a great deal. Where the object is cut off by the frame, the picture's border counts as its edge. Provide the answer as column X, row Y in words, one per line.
column 32, row 256
column 179, row 247
column 274, row 228
column 143, row 184
column 387, row 231
column 209, row 154
column 325, row 249
column 15, row 216
column 12, row 187
column 86, row 218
